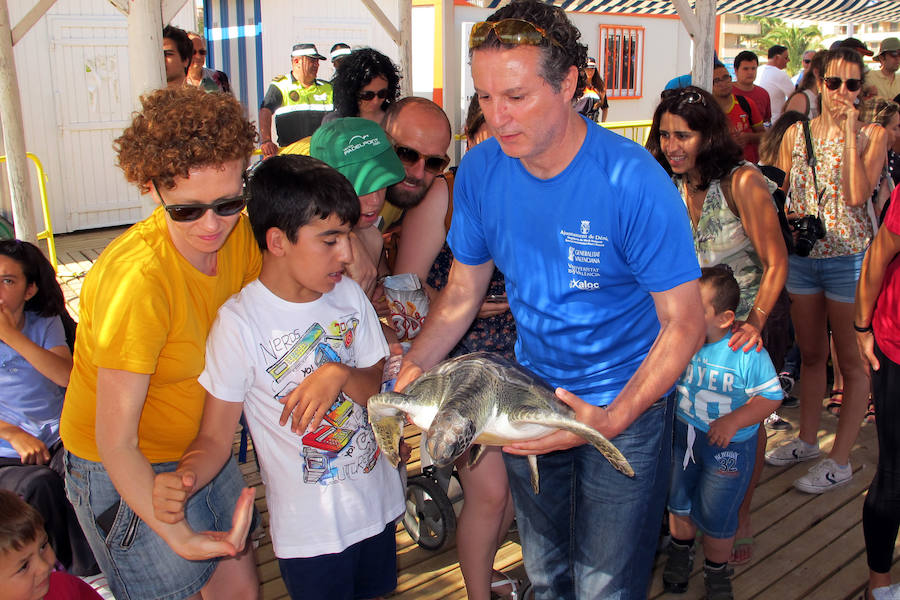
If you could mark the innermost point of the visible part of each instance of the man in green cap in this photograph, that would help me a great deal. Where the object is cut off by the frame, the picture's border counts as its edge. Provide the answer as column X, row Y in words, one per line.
column 359, row 149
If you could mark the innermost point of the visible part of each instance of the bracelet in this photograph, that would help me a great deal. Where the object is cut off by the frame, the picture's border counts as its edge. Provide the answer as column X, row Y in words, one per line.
column 765, row 314
column 866, row 329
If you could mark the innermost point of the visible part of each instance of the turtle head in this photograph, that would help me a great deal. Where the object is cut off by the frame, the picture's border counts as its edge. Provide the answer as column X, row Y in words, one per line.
column 448, row 437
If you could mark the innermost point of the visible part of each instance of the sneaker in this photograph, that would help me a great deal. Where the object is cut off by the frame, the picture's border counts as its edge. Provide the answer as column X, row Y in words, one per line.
column 678, row 568
column 826, row 475
column 776, row 423
column 791, row 453
column 787, row 383
column 718, row 583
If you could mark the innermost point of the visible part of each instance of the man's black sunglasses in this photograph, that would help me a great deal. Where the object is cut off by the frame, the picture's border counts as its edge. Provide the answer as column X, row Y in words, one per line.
column 433, row 164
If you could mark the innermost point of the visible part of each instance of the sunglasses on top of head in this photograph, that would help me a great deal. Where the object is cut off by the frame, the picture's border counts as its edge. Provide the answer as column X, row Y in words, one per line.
column 433, row 164
column 370, row 95
column 514, row 32
column 224, row 207
column 684, row 96
column 833, row 83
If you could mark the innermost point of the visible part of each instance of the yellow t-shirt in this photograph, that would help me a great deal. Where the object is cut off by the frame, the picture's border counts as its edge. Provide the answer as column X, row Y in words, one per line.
column 145, row 309
column 301, row 146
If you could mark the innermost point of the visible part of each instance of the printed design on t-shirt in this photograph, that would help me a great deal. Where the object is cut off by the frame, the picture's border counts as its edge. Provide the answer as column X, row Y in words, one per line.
column 343, row 446
column 728, row 463
column 712, row 386
column 584, row 251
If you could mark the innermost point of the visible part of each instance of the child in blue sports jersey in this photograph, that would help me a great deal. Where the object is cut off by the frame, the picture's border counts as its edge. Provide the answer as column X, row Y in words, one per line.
column 723, row 396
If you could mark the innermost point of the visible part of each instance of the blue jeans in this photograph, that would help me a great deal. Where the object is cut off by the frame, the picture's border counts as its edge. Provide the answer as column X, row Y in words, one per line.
column 592, row 532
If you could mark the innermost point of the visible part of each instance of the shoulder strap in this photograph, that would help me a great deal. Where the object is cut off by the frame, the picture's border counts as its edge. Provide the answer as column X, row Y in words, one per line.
column 811, row 161
column 745, row 105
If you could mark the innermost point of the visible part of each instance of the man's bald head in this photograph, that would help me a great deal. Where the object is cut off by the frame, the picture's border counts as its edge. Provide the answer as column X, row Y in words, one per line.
column 420, row 125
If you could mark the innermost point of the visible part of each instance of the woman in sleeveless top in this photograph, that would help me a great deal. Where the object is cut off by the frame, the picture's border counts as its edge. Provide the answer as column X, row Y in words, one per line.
column 806, row 99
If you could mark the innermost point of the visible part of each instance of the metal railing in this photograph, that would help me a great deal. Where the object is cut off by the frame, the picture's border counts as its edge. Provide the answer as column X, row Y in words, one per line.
column 636, row 131
column 47, row 233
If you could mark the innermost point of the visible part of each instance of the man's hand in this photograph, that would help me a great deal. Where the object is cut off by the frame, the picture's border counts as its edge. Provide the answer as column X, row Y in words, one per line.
column 362, row 270
column 204, row 545
column 171, row 492
column 590, row 415
column 722, row 430
column 30, row 449
column 745, row 336
column 268, row 149
column 307, row 403
column 409, row 372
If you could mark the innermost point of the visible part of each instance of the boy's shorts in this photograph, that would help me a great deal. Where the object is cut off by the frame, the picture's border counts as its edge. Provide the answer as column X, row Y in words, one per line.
column 836, row 276
column 367, row 569
column 136, row 561
column 712, row 486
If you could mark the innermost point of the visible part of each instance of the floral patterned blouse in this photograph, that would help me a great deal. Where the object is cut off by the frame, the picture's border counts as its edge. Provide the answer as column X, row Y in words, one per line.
column 848, row 229
column 720, row 238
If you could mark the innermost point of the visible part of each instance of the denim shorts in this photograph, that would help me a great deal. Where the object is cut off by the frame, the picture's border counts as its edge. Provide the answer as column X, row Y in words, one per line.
column 367, row 569
column 836, row 276
column 711, row 487
column 137, row 562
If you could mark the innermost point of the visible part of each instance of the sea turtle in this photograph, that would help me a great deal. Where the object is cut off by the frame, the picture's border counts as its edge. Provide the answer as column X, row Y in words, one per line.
column 479, row 399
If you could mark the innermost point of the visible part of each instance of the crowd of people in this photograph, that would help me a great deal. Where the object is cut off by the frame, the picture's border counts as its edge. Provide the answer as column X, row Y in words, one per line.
column 655, row 289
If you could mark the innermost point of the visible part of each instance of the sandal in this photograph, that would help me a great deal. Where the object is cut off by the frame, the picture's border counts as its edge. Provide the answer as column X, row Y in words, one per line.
column 514, row 584
column 742, row 551
column 870, row 412
column 834, row 402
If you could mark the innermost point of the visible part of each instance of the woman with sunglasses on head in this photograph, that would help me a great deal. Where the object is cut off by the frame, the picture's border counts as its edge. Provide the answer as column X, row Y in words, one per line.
column 134, row 404
column 365, row 84
column 734, row 221
column 829, row 188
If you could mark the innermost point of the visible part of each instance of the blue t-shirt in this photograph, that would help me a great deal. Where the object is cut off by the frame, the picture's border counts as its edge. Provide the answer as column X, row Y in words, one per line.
column 719, row 380
column 29, row 400
column 581, row 253
column 679, row 82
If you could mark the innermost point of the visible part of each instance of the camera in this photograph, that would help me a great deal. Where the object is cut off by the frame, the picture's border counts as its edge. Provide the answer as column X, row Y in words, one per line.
column 809, row 230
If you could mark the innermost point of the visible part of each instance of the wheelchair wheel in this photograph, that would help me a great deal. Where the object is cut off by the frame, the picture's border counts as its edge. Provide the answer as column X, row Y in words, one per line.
column 429, row 519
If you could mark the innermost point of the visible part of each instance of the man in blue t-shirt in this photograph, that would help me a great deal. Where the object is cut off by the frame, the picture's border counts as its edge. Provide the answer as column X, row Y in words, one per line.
column 601, row 277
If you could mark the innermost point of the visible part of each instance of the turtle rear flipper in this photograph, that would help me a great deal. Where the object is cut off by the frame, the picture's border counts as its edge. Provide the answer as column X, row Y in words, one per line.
column 387, row 416
column 587, row 433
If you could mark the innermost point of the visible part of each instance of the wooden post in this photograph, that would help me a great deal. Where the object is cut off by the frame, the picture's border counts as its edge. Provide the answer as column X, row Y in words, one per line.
column 405, row 11
column 700, row 24
column 14, row 134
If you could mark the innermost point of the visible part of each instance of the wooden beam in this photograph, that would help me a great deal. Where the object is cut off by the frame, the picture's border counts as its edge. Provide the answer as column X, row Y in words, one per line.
column 14, row 134
column 700, row 24
column 170, row 8
column 405, row 46
column 687, row 16
column 31, row 17
column 121, row 6
column 383, row 20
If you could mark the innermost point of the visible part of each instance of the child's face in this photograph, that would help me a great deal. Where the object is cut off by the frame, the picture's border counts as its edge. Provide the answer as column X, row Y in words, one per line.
column 26, row 573
column 715, row 322
column 14, row 288
column 316, row 262
column 369, row 207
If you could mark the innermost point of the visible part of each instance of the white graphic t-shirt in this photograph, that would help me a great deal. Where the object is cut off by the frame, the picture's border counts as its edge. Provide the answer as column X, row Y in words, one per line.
column 329, row 488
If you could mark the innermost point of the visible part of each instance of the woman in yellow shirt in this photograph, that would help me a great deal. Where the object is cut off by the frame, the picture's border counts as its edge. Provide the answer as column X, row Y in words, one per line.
column 133, row 403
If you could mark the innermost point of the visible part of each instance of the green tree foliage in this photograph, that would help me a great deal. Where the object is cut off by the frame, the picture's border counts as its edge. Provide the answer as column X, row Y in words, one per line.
column 797, row 39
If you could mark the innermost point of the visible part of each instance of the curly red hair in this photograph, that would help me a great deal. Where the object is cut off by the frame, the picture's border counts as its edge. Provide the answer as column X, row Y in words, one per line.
column 179, row 130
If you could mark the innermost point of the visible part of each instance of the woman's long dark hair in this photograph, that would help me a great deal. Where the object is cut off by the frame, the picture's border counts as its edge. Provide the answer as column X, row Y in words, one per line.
column 719, row 153
column 356, row 71
column 49, row 300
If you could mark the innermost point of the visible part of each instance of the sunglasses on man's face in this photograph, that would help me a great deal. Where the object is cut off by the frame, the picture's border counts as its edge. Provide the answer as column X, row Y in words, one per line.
column 201, row 52
column 514, row 32
column 892, row 53
column 370, row 95
column 433, row 164
column 224, row 207
column 833, row 83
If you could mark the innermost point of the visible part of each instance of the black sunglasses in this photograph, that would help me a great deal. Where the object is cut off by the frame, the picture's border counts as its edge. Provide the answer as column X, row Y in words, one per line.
column 833, row 83
column 370, row 95
column 684, row 95
column 201, row 52
column 433, row 164
column 225, row 207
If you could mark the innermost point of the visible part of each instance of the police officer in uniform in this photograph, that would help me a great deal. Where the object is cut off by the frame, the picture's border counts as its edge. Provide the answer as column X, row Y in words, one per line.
column 297, row 101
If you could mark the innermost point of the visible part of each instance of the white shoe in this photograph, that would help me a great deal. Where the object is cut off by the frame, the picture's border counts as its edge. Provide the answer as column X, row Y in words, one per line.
column 888, row 592
column 791, row 453
column 826, row 475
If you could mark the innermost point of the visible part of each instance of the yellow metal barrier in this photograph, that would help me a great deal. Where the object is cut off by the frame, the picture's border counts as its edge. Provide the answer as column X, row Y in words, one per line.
column 47, row 233
column 636, row 131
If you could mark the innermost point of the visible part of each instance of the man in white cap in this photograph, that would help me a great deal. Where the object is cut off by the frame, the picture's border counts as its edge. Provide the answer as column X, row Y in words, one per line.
column 298, row 101
column 885, row 79
column 338, row 52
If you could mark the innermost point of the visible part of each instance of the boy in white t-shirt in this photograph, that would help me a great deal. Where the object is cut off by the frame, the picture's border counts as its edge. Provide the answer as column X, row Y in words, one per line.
column 300, row 351
column 723, row 396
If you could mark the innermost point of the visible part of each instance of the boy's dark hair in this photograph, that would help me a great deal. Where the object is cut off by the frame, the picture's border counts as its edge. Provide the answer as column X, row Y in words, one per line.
column 357, row 70
column 287, row 191
column 49, row 300
column 745, row 56
column 728, row 293
column 20, row 523
column 555, row 60
column 776, row 50
column 181, row 39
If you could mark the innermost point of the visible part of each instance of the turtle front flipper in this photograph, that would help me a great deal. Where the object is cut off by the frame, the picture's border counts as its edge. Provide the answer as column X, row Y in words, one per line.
column 587, row 433
column 387, row 417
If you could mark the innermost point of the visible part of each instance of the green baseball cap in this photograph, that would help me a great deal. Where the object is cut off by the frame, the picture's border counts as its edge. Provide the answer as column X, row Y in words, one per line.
column 359, row 149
